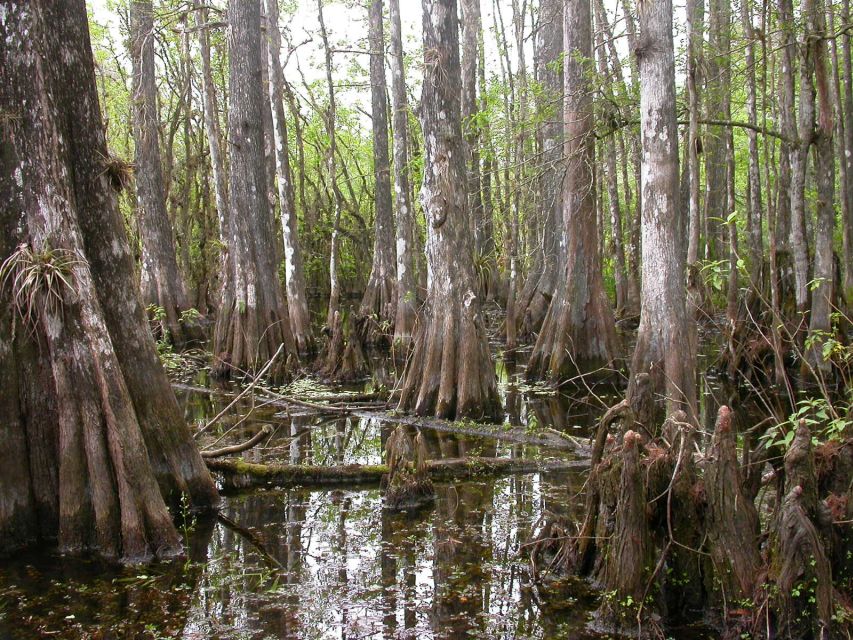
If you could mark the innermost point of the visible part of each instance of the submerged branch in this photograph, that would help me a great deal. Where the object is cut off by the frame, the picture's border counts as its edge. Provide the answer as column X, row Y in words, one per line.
column 240, row 447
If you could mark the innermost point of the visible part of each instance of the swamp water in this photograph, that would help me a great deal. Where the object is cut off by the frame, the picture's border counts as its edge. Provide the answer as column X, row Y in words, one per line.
column 332, row 563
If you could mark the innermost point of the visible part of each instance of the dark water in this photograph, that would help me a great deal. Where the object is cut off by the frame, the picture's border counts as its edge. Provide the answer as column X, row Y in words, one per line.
column 332, row 563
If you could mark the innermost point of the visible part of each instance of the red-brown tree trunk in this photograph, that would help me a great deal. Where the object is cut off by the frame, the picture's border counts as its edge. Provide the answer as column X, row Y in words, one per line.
column 578, row 333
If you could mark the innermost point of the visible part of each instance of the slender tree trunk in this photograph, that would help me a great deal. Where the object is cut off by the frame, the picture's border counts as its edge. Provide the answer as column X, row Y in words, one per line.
column 717, row 138
column 665, row 347
column 332, row 169
column 485, row 237
column 406, row 285
column 162, row 283
column 787, row 121
column 214, row 136
column 471, row 26
column 297, row 301
column 630, row 161
column 824, row 270
column 549, row 253
column 380, row 296
column 847, row 186
column 610, row 174
column 578, row 333
column 84, row 444
column 253, row 320
column 518, row 200
column 450, row 373
column 755, row 210
column 695, row 26
column 269, row 133
column 799, row 166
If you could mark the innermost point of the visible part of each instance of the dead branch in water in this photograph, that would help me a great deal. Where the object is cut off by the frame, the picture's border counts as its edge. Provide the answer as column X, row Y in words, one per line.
column 240, row 447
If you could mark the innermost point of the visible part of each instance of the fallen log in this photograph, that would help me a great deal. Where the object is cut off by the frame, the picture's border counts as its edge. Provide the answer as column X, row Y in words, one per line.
column 548, row 437
column 239, row 474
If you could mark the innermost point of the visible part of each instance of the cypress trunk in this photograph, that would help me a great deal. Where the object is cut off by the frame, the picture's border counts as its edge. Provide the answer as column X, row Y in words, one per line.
column 90, row 425
column 450, row 374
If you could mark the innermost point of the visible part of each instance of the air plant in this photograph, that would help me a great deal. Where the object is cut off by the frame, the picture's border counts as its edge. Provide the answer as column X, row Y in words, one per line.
column 118, row 170
column 38, row 280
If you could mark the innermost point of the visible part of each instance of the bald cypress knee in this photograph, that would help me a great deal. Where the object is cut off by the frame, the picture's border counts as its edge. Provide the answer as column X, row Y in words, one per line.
column 450, row 374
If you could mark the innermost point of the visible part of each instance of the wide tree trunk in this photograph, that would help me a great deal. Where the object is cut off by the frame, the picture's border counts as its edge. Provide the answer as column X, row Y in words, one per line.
column 253, row 320
column 162, row 281
column 450, row 374
column 665, row 347
column 406, row 285
column 380, row 296
column 294, row 277
column 88, row 421
column 578, row 333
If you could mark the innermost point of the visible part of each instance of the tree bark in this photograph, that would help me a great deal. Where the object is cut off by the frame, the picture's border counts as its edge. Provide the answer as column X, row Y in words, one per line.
column 799, row 166
column 332, row 169
column 847, row 186
column 717, row 138
column 406, row 285
column 608, row 150
column 162, row 281
column 665, row 347
column 294, row 277
column 379, row 301
column 88, row 419
column 541, row 281
column 578, row 333
column 254, row 319
column 824, row 270
column 214, row 135
column 450, row 373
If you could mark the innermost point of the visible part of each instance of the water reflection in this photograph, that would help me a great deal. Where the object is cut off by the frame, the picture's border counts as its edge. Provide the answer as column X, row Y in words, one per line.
column 334, row 564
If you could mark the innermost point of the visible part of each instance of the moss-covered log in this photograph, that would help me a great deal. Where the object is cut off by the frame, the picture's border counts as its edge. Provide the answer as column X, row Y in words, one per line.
column 239, row 474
